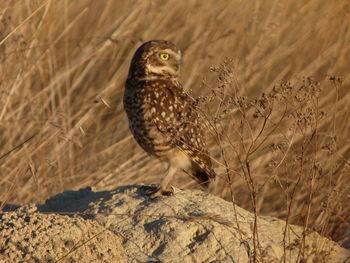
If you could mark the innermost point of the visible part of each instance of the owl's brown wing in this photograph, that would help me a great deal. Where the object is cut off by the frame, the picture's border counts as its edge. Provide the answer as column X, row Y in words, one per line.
column 174, row 115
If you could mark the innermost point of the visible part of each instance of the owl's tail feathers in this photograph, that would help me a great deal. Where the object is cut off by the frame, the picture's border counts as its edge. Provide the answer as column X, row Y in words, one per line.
column 204, row 177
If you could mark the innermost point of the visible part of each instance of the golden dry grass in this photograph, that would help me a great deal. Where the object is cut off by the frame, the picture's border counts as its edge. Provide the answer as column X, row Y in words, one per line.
column 62, row 124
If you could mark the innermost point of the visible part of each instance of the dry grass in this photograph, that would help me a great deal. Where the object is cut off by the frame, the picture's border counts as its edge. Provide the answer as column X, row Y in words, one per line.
column 284, row 153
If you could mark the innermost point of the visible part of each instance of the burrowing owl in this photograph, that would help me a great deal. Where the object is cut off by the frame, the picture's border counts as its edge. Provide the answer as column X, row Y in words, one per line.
column 162, row 117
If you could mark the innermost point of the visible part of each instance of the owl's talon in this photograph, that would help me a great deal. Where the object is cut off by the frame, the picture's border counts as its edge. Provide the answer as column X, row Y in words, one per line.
column 148, row 190
column 160, row 192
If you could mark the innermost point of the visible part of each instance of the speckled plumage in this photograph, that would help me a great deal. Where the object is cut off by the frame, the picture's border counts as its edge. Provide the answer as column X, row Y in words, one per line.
column 162, row 117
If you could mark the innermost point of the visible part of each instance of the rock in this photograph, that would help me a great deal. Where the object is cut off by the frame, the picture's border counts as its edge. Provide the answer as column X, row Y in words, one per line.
column 125, row 225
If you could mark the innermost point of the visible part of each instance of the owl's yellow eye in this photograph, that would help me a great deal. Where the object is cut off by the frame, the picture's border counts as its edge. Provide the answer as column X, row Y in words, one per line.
column 164, row 56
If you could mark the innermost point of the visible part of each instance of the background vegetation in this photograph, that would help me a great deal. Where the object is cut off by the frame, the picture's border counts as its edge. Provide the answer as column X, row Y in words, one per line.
column 274, row 81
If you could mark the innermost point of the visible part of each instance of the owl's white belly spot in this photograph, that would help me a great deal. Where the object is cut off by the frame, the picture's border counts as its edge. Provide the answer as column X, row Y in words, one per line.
column 177, row 158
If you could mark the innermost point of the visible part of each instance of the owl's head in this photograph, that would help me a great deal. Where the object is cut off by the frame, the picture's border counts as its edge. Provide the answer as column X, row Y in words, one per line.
column 156, row 59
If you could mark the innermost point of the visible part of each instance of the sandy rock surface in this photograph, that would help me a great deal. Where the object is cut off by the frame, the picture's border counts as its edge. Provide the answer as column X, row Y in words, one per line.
column 36, row 237
column 125, row 225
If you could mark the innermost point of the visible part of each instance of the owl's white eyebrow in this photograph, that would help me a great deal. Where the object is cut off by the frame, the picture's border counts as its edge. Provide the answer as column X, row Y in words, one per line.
column 157, row 69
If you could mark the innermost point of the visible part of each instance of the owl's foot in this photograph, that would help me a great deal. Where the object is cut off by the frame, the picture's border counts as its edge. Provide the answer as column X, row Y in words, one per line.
column 160, row 192
column 156, row 192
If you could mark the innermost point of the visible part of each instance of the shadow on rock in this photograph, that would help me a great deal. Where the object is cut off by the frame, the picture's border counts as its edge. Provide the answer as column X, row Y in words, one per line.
column 73, row 201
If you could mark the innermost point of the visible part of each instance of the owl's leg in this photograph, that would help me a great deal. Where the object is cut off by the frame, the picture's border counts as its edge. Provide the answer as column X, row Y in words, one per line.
column 163, row 186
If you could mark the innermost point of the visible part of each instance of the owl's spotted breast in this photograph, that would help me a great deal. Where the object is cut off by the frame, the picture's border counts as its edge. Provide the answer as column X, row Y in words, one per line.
column 162, row 117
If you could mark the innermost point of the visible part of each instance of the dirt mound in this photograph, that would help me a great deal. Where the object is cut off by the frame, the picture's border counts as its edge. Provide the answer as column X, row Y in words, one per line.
column 126, row 226
column 36, row 237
